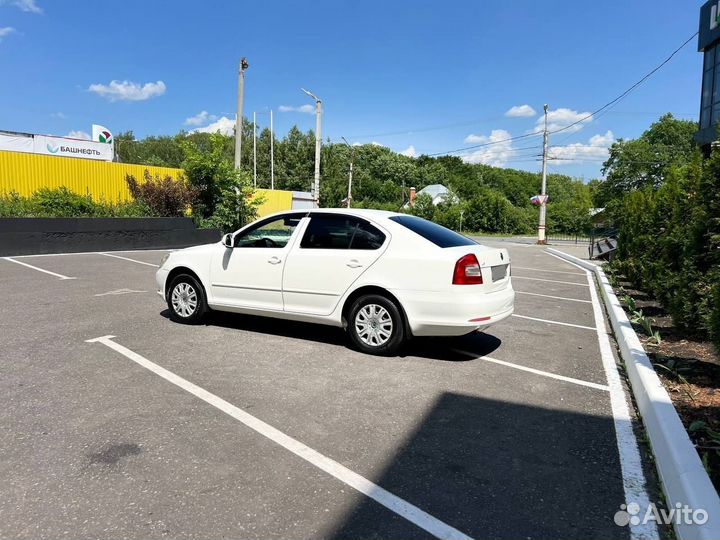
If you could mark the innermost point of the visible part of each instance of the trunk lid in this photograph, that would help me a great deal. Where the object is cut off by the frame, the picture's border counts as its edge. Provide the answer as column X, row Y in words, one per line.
column 494, row 264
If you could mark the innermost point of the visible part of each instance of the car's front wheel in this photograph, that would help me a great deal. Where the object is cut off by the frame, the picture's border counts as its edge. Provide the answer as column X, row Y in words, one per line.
column 186, row 300
column 375, row 325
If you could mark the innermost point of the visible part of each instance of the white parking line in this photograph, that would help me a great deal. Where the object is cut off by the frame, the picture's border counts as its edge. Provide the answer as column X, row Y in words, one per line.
column 551, row 281
column 38, row 269
column 394, row 503
column 128, row 259
column 92, row 253
column 555, row 297
column 634, row 482
column 548, row 374
column 554, row 322
column 541, row 270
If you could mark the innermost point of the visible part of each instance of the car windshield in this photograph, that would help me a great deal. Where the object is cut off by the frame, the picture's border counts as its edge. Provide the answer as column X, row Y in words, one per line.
column 437, row 234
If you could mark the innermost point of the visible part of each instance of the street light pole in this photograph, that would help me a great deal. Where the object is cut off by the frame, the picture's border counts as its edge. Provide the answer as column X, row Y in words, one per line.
column 255, row 149
column 352, row 158
column 543, row 196
column 239, row 117
column 318, row 145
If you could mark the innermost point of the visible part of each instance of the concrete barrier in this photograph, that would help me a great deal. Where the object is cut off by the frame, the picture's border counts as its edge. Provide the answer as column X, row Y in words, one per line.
column 32, row 236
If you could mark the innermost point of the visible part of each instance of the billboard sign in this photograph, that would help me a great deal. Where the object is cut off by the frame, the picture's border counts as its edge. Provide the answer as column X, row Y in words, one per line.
column 77, row 148
column 12, row 142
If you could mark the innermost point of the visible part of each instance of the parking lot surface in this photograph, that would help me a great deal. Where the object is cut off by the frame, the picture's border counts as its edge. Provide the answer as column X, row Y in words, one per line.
column 246, row 427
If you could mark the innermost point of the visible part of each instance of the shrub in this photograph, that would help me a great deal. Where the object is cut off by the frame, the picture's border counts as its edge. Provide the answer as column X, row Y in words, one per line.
column 165, row 197
column 61, row 202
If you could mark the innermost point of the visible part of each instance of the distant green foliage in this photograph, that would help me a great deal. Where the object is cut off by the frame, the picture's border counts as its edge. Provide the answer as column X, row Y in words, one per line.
column 62, row 202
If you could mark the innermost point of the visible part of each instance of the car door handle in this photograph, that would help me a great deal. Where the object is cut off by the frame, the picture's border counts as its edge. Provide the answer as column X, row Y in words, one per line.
column 354, row 264
column 274, row 260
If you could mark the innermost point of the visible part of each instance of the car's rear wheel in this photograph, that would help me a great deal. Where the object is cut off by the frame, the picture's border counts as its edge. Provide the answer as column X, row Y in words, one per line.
column 186, row 300
column 375, row 325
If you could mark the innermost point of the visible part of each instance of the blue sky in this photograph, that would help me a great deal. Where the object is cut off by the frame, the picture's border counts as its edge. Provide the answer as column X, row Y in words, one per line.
column 421, row 77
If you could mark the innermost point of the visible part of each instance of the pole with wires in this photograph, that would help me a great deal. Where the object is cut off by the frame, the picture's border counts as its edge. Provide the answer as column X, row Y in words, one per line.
column 318, row 145
column 543, row 196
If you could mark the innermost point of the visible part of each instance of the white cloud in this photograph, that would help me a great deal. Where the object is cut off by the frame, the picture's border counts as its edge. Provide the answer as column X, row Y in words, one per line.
column 25, row 5
column 60, row 115
column 307, row 109
column 410, row 152
column 128, row 91
column 597, row 148
column 224, row 125
column 375, row 143
column 561, row 118
column 6, row 31
column 203, row 117
column 496, row 154
column 76, row 134
column 520, row 111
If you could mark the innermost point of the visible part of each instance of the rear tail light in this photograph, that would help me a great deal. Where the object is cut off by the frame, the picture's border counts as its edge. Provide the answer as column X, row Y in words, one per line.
column 467, row 271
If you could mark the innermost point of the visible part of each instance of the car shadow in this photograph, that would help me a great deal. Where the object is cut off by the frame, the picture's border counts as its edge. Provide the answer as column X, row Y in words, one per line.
column 447, row 349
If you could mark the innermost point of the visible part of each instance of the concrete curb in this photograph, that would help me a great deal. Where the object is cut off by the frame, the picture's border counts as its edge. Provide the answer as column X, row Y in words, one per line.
column 682, row 473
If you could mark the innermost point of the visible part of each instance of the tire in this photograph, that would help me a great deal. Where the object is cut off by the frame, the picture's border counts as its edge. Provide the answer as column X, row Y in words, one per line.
column 186, row 300
column 375, row 325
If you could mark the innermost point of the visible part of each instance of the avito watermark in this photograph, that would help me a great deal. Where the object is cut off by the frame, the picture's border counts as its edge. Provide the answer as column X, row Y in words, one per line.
column 680, row 514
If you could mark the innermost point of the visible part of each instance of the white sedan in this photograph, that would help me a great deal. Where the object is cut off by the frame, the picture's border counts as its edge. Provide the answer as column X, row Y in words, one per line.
column 383, row 276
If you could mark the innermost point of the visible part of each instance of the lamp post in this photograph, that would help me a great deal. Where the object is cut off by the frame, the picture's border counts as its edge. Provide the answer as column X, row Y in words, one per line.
column 318, row 145
column 352, row 158
column 239, row 118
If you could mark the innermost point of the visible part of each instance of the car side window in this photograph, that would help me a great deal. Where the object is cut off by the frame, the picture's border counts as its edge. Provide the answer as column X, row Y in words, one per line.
column 340, row 232
column 275, row 233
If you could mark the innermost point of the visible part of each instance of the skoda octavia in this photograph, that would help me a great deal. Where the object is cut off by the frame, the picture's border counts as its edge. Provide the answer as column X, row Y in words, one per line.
column 382, row 276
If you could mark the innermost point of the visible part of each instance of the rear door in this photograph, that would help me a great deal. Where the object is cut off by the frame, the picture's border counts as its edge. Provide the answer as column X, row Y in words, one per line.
column 335, row 250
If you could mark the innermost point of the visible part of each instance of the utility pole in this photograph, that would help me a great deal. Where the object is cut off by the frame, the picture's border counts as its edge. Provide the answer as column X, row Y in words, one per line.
column 352, row 158
column 272, row 153
column 543, row 196
column 254, row 149
column 239, row 117
column 318, row 145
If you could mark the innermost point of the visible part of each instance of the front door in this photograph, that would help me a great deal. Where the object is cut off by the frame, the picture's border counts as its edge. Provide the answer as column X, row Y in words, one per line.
column 250, row 273
column 335, row 250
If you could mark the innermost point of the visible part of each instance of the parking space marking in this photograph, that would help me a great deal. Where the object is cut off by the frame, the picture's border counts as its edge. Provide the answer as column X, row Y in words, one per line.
column 91, row 253
column 550, row 281
column 541, row 270
column 555, row 297
column 554, row 322
column 548, row 374
column 634, row 482
column 38, row 269
column 128, row 259
column 412, row 513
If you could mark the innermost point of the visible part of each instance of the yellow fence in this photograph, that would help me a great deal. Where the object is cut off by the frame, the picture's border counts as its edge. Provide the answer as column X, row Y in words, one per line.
column 102, row 180
column 26, row 173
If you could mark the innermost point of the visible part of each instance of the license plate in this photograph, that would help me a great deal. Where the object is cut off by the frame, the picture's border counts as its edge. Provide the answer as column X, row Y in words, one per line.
column 499, row 272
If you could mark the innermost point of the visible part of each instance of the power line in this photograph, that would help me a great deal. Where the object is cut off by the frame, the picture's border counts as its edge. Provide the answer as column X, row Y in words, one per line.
column 607, row 105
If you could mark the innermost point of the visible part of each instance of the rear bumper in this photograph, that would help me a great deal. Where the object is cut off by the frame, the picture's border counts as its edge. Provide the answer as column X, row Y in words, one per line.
column 456, row 313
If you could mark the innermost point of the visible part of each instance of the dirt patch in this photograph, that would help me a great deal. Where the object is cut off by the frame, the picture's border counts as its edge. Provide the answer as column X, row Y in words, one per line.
column 689, row 369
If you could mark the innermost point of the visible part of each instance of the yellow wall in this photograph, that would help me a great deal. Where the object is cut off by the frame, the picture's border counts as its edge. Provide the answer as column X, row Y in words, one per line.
column 26, row 173
column 274, row 200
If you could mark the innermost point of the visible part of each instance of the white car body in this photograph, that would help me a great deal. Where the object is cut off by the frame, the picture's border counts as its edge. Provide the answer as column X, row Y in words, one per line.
column 314, row 285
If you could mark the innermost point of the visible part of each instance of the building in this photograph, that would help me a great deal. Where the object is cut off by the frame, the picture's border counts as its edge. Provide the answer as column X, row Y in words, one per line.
column 709, row 45
column 437, row 192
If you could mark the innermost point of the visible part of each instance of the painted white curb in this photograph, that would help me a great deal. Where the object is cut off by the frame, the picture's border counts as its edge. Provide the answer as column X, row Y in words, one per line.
column 683, row 476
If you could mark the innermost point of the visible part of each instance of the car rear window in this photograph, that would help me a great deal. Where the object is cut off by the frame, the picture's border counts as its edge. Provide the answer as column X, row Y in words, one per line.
column 437, row 234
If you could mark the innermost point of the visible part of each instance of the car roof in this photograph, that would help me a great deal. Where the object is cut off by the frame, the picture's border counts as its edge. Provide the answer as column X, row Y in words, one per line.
column 367, row 213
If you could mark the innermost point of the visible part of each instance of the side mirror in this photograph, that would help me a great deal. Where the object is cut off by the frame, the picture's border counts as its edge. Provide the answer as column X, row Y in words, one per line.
column 227, row 240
